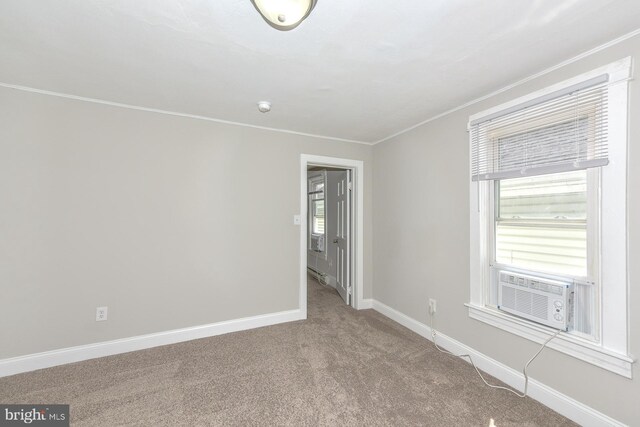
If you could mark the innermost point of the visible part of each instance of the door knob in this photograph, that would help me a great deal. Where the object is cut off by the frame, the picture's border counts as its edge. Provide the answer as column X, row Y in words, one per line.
column 335, row 240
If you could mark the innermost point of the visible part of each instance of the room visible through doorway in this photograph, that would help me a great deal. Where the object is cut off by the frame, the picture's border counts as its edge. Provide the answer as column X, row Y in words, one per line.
column 331, row 229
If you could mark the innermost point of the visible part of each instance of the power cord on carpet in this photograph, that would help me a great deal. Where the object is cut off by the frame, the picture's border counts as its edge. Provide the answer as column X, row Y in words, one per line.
column 468, row 356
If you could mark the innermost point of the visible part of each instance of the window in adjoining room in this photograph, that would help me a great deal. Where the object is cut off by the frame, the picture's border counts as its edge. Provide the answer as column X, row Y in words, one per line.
column 316, row 190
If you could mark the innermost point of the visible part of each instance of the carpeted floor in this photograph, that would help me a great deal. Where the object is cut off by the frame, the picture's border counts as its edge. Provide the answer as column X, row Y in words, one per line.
column 339, row 367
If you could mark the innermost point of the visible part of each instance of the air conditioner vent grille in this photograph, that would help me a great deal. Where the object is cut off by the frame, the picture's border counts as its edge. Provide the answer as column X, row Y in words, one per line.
column 534, row 298
column 539, row 306
column 509, row 298
column 523, row 301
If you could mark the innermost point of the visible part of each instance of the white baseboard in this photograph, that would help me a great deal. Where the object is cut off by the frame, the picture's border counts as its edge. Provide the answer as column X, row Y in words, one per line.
column 561, row 403
column 31, row 362
column 365, row 304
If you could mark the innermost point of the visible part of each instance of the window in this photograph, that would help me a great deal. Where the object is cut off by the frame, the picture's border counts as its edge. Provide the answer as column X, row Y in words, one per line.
column 317, row 213
column 541, row 223
column 548, row 201
column 316, row 187
column 541, row 227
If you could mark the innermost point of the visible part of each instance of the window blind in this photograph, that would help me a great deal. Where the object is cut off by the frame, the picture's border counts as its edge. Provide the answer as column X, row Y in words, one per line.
column 559, row 132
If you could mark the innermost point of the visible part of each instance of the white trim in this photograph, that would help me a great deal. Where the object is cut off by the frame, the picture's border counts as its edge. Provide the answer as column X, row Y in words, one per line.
column 618, row 71
column 516, row 84
column 366, row 304
column 612, row 352
column 410, row 128
column 31, row 362
column 559, row 402
column 613, row 232
column 357, row 166
column 171, row 113
column 620, row 364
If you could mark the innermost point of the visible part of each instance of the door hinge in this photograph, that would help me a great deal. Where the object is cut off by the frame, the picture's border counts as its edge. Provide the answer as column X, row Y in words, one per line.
column 349, row 290
column 349, row 185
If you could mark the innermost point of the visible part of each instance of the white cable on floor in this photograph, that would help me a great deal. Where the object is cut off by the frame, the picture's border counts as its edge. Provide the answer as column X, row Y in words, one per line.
column 468, row 356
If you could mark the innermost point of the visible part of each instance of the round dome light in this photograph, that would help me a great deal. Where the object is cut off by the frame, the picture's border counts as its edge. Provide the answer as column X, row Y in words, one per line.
column 284, row 15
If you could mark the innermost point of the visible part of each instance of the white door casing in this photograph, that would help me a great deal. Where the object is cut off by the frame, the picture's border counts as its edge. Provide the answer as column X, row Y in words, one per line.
column 356, row 167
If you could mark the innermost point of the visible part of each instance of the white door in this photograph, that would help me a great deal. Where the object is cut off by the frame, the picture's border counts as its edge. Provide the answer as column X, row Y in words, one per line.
column 343, row 210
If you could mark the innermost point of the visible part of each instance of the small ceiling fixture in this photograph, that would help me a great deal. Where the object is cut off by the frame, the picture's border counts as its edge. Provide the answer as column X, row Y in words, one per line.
column 284, row 15
column 264, row 106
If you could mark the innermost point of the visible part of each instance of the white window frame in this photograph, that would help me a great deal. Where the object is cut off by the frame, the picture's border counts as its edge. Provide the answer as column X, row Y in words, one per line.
column 313, row 216
column 592, row 274
column 310, row 179
column 611, row 351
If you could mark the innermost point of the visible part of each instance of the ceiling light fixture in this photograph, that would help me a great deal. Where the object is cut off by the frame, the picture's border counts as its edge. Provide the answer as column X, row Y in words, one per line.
column 284, row 15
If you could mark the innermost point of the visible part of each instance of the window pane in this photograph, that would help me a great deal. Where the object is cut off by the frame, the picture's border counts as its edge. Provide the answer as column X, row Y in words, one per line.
column 546, row 249
column 318, row 226
column 316, row 188
column 318, row 216
column 536, row 142
column 561, row 195
column 541, row 223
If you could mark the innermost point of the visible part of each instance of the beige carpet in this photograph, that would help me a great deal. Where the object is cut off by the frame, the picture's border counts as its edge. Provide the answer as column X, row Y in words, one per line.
column 339, row 367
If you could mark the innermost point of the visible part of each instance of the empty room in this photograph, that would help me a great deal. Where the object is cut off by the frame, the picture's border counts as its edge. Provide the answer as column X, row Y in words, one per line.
column 319, row 212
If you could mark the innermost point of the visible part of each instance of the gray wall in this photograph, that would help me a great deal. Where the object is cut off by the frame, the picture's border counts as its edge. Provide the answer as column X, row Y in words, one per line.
column 421, row 229
column 154, row 216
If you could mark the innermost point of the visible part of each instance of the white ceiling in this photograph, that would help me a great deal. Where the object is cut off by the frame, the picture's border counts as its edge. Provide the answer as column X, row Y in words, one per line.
column 358, row 70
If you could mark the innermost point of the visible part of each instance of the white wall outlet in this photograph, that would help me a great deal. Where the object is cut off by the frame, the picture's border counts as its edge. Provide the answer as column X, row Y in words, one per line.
column 432, row 306
column 101, row 313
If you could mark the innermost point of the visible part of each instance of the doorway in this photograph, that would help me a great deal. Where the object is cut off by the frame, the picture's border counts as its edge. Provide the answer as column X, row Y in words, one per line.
column 332, row 226
column 329, row 228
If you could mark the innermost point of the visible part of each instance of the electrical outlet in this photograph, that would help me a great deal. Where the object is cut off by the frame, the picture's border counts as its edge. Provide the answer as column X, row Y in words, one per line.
column 101, row 313
column 432, row 306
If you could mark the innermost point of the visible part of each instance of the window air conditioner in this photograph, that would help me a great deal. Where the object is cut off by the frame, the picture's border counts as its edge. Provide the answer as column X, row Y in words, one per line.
column 546, row 301
column 317, row 243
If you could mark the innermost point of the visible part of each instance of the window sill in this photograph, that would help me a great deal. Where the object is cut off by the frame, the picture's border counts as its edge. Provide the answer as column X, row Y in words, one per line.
column 564, row 343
